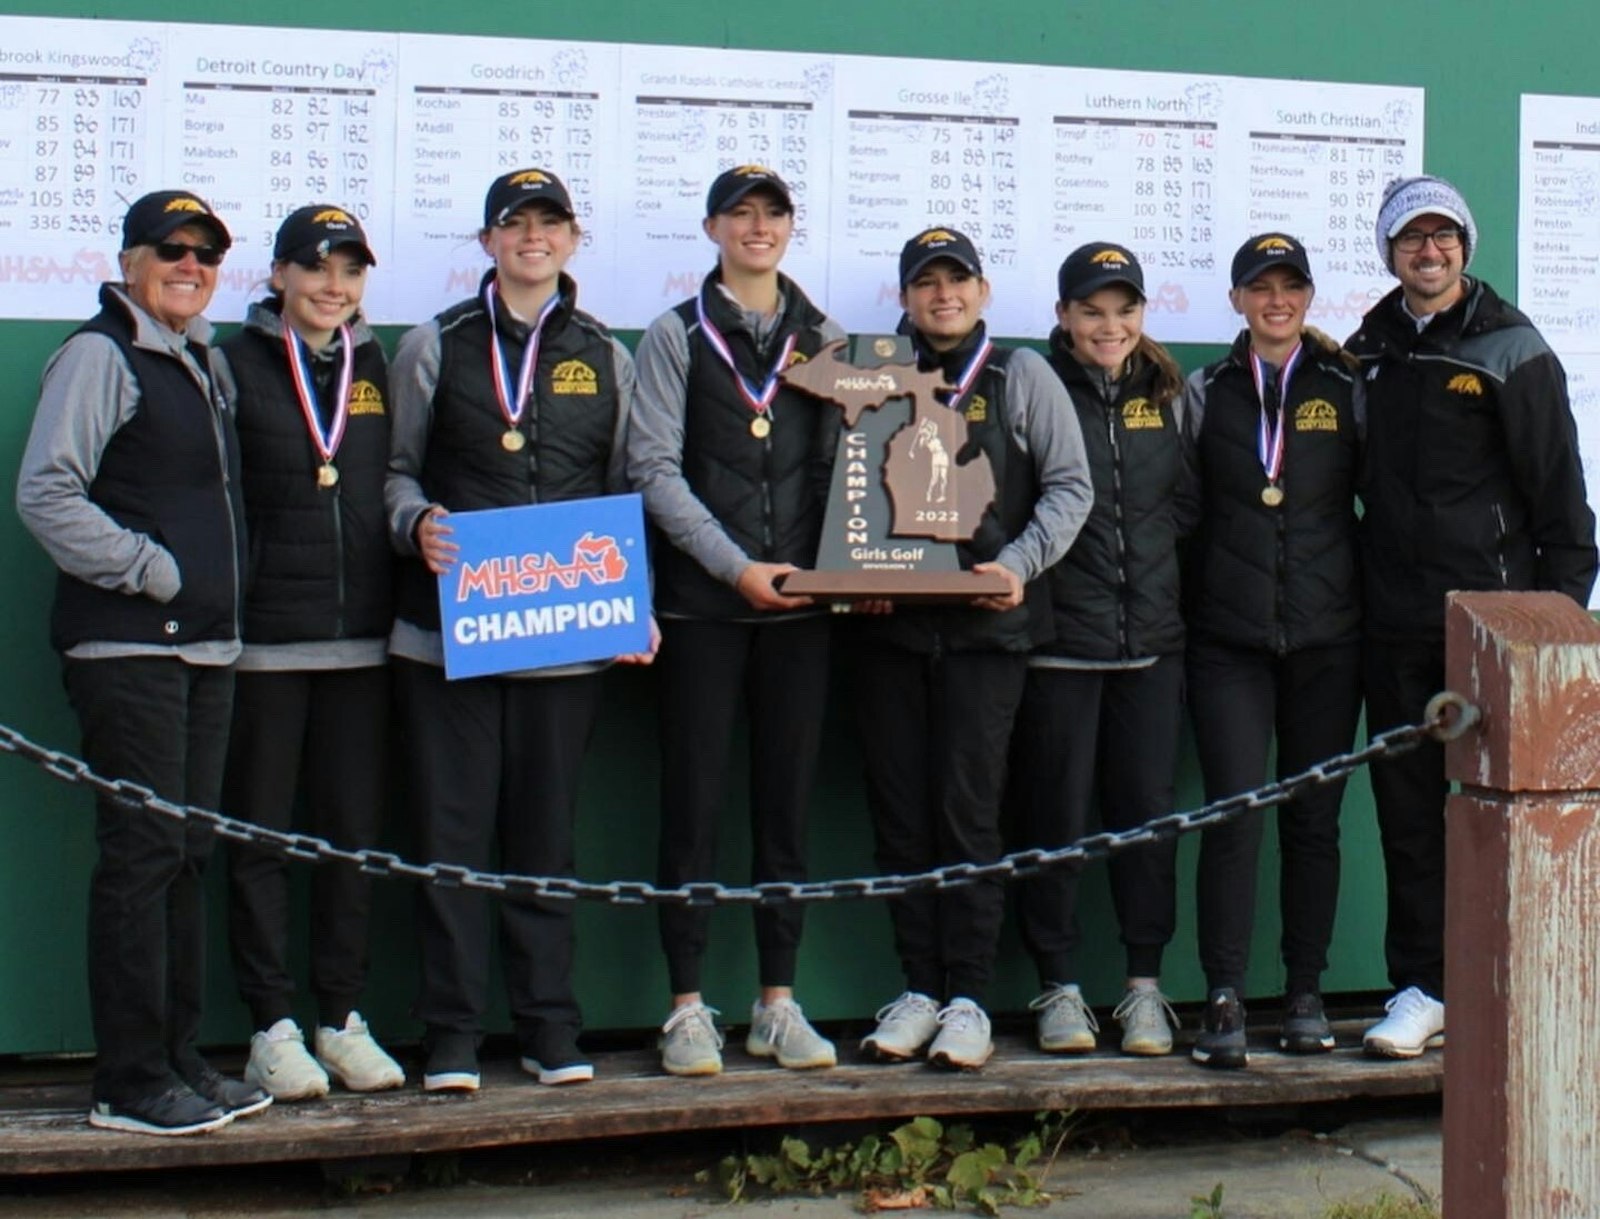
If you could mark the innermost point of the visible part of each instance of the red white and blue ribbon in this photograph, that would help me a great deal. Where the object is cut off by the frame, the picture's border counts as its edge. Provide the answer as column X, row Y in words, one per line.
column 326, row 439
column 757, row 398
column 514, row 402
column 969, row 374
column 1270, row 432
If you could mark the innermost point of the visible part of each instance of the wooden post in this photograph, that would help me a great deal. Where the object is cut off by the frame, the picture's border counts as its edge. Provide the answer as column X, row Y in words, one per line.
column 1522, row 911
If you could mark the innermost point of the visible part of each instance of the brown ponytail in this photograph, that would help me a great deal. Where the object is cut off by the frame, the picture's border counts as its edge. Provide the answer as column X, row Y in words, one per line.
column 1169, row 377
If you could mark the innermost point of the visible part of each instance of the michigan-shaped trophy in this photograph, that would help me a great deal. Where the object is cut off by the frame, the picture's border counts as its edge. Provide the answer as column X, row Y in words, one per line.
column 909, row 485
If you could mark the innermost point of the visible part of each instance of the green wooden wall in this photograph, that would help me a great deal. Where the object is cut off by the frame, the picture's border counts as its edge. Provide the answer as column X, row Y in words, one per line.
column 1474, row 58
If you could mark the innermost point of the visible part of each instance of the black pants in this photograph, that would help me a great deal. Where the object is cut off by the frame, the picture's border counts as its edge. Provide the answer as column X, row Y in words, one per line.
column 1410, row 793
column 778, row 673
column 934, row 732
column 164, row 724
column 323, row 735
column 1083, row 734
column 495, row 760
column 1238, row 699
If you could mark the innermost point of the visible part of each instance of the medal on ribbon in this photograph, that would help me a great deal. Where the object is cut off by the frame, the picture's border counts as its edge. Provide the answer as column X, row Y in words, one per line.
column 325, row 440
column 757, row 398
column 1270, row 431
column 514, row 400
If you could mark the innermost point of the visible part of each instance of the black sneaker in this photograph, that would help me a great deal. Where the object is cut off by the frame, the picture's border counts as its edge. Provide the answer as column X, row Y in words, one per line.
column 552, row 1056
column 232, row 1096
column 1221, row 1042
column 452, row 1063
column 1305, row 1025
column 178, row 1110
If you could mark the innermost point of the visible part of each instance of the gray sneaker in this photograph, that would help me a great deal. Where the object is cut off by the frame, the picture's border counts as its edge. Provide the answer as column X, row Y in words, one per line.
column 963, row 1041
column 904, row 1027
column 780, row 1030
column 690, row 1043
column 1147, row 1022
column 1066, row 1025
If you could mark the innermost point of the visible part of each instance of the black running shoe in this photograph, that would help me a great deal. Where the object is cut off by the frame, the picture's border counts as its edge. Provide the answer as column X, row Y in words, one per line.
column 1221, row 1042
column 232, row 1096
column 178, row 1110
column 1305, row 1025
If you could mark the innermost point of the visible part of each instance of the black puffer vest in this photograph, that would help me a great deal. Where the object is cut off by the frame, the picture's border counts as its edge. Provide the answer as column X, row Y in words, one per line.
column 1278, row 578
column 767, row 493
column 570, row 423
column 1115, row 595
column 320, row 563
column 172, row 472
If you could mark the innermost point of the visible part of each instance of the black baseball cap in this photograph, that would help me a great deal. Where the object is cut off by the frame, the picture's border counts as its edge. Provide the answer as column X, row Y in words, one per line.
column 734, row 184
column 521, row 187
column 1098, row 265
column 930, row 245
column 160, row 214
column 1268, row 250
column 310, row 234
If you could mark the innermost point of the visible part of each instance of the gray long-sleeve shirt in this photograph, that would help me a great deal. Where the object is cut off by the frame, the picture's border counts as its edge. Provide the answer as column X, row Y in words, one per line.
column 88, row 391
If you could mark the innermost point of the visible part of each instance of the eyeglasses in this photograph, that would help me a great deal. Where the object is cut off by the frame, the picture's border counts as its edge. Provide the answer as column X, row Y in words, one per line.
column 176, row 251
column 1412, row 240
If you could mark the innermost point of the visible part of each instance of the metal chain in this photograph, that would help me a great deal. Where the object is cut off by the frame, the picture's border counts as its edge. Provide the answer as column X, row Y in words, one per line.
column 1449, row 715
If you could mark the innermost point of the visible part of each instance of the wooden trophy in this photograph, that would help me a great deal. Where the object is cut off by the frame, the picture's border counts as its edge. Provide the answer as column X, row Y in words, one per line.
column 906, row 486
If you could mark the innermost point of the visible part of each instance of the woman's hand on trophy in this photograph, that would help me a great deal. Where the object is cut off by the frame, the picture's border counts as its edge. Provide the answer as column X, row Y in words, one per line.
column 759, row 585
column 995, row 601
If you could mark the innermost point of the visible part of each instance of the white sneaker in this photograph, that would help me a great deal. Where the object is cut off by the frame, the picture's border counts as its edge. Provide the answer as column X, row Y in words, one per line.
column 1066, row 1025
column 905, row 1026
column 690, row 1042
column 963, row 1041
column 1415, row 1023
column 780, row 1030
column 280, row 1065
column 353, row 1057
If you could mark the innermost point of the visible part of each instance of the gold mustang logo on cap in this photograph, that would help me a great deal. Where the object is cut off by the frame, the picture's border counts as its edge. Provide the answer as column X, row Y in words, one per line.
column 331, row 216
column 528, row 177
column 936, row 235
column 754, row 171
column 1274, row 243
column 1110, row 258
column 1466, row 383
column 186, row 204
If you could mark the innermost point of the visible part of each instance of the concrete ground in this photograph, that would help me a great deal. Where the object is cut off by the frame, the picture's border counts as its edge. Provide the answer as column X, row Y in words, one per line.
column 1291, row 1164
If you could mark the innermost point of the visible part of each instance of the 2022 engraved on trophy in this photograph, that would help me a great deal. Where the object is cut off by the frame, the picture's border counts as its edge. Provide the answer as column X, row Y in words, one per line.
column 907, row 488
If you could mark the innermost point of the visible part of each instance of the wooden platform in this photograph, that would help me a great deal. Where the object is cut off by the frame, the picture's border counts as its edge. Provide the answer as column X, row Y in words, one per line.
column 43, row 1127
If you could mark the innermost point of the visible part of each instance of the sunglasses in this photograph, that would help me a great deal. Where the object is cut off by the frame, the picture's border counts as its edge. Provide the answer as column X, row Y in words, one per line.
column 176, row 251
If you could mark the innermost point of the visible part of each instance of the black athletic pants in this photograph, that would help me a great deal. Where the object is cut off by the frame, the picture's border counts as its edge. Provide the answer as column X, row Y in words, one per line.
column 1410, row 793
column 777, row 672
column 934, row 731
column 322, row 735
column 1238, row 699
column 1084, row 734
column 495, row 760
column 159, row 722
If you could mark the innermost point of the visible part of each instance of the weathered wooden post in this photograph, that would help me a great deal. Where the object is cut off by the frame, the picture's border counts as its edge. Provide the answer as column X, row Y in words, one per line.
column 1522, row 912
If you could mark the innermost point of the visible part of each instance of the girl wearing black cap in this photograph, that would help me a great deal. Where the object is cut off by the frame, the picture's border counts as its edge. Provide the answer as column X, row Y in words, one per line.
column 1274, row 629
column 511, row 397
column 309, row 390
column 1102, row 708
column 734, row 468
column 939, row 686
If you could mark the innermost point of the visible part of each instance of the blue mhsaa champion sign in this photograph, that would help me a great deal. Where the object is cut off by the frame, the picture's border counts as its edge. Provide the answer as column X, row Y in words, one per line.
column 545, row 584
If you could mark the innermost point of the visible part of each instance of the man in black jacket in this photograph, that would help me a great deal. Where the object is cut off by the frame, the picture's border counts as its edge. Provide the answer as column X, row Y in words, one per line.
column 1471, row 481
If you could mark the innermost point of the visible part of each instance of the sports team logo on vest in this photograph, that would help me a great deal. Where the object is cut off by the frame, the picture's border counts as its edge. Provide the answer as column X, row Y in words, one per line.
column 1466, row 383
column 978, row 409
column 365, row 399
column 1140, row 413
column 1316, row 415
column 573, row 377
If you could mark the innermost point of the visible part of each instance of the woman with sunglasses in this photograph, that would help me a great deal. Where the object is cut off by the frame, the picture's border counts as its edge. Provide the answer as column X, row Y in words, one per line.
column 1102, row 710
column 1274, row 630
column 485, row 417
column 309, row 390
column 130, row 482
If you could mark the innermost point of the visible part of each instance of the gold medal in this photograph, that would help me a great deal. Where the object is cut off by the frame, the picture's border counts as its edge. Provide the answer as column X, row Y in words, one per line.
column 513, row 441
column 761, row 427
column 327, row 474
column 1272, row 495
